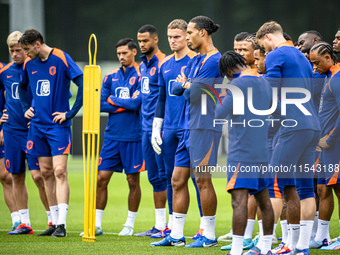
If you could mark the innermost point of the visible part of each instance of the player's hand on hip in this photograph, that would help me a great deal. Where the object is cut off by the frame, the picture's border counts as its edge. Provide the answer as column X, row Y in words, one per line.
column 156, row 139
column 322, row 142
column 29, row 113
column 59, row 117
column 4, row 117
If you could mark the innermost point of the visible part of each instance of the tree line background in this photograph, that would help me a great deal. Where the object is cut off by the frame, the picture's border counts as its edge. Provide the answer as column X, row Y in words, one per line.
column 69, row 23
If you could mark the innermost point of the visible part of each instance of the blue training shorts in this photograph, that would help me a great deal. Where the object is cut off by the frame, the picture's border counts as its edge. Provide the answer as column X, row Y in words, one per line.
column 46, row 142
column 295, row 152
column 198, row 147
column 15, row 154
column 247, row 175
column 119, row 155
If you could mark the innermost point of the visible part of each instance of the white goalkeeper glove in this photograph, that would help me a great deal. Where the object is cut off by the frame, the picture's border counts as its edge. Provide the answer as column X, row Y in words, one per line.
column 156, row 139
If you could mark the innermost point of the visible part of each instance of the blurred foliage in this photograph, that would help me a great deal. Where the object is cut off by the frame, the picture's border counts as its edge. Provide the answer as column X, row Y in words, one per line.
column 69, row 23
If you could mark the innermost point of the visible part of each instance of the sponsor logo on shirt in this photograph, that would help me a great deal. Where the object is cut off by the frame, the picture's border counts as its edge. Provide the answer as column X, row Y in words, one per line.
column 171, row 82
column 145, row 85
column 14, row 89
column 122, row 92
column 43, row 88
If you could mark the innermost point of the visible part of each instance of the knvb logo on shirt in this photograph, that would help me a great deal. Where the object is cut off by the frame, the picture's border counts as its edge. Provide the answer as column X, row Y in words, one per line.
column 145, row 85
column 43, row 88
column 171, row 82
column 122, row 92
column 14, row 89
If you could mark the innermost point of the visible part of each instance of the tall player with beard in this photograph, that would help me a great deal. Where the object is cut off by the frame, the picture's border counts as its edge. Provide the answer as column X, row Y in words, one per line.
column 148, row 44
column 323, row 194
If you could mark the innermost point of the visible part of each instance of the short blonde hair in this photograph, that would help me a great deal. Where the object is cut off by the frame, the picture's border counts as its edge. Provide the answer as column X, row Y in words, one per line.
column 268, row 28
column 178, row 23
column 13, row 38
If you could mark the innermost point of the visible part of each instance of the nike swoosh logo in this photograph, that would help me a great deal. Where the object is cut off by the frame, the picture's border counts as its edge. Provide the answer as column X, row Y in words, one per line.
column 178, row 217
column 136, row 166
column 59, row 149
column 206, row 245
column 34, row 72
column 295, row 228
column 115, row 79
column 167, row 71
column 196, row 160
column 9, row 76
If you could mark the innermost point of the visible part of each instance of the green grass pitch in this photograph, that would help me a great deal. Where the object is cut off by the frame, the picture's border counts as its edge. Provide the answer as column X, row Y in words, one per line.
column 114, row 216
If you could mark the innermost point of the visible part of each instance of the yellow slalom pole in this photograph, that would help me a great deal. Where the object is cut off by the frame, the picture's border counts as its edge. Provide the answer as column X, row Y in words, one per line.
column 90, row 143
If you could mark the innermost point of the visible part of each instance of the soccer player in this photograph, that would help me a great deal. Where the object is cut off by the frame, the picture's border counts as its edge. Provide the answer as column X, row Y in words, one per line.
column 238, row 41
column 296, row 143
column 247, row 50
column 148, row 44
column 15, row 131
column 247, row 144
column 169, row 108
column 305, row 42
column 5, row 177
column 199, row 144
column 48, row 72
column 336, row 42
column 122, row 148
column 324, row 60
column 260, row 57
